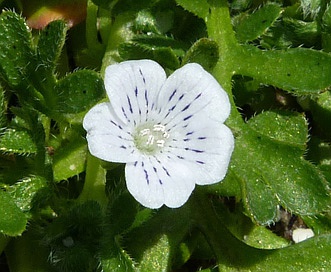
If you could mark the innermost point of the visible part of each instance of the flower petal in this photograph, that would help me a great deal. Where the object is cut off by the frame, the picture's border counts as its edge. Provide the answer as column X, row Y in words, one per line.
column 191, row 91
column 108, row 138
column 132, row 87
column 207, row 150
column 157, row 181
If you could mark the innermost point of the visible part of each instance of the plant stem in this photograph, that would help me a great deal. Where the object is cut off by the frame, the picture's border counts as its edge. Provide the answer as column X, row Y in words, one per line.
column 220, row 30
column 95, row 181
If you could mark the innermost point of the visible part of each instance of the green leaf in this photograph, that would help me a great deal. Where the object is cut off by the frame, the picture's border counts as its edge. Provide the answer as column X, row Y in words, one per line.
column 319, row 152
column 15, row 48
column 287, row 127
column 75, row 236
column 79, row 91
column 121, row 213
column 311, row 7
column 105, row 3
column 117, row 260
column 2, row 108
column 268, row 161
column 12, row 220
column 156, row 258
column 131, row 6
column 234, row 255
column 70, row 160
column 204, row 52
column 197, row 7
column 290, row 32
column 50, row 43
column 326, row 27
column 152, row 244
column 299, row 70
column 256, row 24
column 17, row 141
column 159, row 48
column 30, row 193
column 245, row 230
column 320, row 107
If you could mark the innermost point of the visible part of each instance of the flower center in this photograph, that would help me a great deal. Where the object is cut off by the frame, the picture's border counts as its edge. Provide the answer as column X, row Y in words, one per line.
column 150, row 138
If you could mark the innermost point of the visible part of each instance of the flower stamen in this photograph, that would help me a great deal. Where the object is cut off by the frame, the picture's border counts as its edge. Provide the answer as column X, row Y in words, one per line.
column 150, row 138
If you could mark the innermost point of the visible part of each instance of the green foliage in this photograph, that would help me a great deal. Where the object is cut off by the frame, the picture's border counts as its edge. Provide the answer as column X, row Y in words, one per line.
column 13, row 220
column 204, row 52
column 280, row 139
column 250, row 27
column 17, row 142
column 16, row 49
column 67, row 213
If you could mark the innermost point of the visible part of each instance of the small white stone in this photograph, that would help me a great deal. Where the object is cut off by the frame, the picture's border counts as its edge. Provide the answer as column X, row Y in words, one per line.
column 301, row 234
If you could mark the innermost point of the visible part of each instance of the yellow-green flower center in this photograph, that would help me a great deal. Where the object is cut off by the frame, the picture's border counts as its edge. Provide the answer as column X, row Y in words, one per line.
column 150, row 138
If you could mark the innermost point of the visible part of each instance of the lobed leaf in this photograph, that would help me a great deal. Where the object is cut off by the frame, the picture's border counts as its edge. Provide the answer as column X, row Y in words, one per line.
column 298, row 70
column 78, row 91
column 272, row 169
column 252, row 26
column 233, row 255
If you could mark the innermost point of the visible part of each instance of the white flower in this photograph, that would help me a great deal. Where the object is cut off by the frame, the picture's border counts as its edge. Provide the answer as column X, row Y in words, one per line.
column 168, row 131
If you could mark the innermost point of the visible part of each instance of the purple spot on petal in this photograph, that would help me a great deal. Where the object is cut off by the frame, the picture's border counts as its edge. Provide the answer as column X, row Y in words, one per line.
column 141, row 73
column 123, row 147
column 187, row 106
column 189, row 133
column 187, row 117
column 136, row 91
column 180, row 157
column 172, row 95
column 155, row 170
column 202, row 138
column 194, row 150
column 198, row 96
column 124, row 113
column 200, row 162
column 129, row 102
column 135, row 163
column 165, row 170
column 115, row 124
column 146, row 176
column 146, row 98
column 160, row 181
column 186, row 139
column 181, row 97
